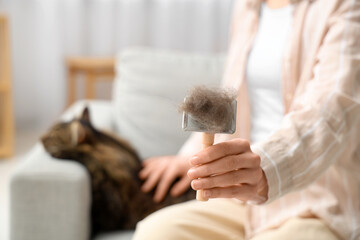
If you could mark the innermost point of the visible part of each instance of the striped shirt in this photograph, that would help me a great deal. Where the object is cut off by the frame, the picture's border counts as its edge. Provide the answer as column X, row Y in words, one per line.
column 312, row 162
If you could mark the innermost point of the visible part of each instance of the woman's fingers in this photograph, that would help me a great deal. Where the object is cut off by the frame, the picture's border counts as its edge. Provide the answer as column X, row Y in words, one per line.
column 229, row 170
column 152, row 179
column 164, row 185
column 226, row 164
column 149, row 166
column 180, row 187
column 241, row 192
column 145, row 172
column 241, row 176
column 220, row 150
column 150, row 161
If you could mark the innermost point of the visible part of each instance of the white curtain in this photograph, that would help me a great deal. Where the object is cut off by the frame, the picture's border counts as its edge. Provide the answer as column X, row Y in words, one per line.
column 44, row 32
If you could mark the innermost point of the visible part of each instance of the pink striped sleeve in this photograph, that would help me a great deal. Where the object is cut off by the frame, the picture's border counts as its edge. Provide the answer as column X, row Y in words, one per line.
column 324, row 117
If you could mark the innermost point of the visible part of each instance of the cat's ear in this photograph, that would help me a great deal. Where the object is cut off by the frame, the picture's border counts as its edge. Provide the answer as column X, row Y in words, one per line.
column 85, row 116
column 78, row 133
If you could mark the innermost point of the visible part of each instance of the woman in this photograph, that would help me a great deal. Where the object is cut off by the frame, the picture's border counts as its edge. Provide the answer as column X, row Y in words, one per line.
column 296, row 66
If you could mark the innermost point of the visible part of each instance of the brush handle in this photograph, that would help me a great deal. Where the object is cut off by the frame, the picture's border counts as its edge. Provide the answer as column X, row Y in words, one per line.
column 207, row 141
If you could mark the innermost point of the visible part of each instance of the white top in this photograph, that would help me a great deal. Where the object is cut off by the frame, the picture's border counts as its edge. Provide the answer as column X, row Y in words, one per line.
column 264, row 71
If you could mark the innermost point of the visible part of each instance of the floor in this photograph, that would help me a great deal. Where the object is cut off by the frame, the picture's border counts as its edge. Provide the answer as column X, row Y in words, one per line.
column 24, row 141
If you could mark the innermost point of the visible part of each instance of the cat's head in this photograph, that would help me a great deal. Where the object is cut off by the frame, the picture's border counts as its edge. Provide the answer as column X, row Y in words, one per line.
column 66, row 137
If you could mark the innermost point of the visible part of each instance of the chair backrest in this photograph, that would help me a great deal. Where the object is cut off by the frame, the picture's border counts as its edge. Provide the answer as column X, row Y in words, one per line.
column 148, row 89
column 6, row 111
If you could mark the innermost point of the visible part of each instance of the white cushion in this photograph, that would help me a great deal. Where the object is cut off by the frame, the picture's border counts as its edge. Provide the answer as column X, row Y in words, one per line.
column 100, row 113
column 150, row 85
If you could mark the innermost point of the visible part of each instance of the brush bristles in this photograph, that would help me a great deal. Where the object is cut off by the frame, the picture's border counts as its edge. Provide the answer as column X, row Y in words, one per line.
column 211, row 107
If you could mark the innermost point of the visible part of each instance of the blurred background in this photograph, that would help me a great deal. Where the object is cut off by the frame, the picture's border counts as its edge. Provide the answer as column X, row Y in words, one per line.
column 45, row 32
column 52, row 51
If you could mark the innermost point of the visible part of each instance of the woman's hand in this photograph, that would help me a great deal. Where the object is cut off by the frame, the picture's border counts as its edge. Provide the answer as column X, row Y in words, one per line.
column 229, row 170
column 162, row 172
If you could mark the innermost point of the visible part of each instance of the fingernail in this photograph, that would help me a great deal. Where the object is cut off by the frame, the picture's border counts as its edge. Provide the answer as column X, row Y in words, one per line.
column 193, row 160
column 194, row 185
column 191, row 172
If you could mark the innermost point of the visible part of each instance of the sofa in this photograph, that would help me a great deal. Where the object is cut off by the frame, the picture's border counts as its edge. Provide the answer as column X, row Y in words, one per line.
column 50, row 199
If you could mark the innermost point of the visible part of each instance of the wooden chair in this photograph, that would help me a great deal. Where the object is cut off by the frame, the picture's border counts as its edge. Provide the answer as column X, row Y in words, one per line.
column 94, row 69
column 6, row 105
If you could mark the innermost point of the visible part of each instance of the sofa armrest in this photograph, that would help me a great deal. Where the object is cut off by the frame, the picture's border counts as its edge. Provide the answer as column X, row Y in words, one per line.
column 49, row 199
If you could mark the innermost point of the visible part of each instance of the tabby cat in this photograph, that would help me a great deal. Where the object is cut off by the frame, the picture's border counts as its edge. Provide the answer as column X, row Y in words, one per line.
column 113, row 165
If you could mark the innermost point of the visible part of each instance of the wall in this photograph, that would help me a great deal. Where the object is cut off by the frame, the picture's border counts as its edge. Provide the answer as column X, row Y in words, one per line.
column 44, row 32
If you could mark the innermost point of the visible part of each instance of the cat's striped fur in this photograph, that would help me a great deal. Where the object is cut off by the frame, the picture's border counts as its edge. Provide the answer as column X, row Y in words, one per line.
column 113, row 165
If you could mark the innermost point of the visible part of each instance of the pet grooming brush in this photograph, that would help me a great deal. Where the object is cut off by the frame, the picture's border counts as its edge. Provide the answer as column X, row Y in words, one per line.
column 210, row 111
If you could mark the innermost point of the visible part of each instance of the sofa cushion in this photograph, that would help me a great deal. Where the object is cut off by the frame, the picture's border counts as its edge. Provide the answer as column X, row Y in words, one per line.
column 150, row 85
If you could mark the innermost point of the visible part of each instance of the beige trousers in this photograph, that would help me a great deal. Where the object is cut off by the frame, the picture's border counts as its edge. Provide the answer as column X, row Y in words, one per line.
column 221, row 219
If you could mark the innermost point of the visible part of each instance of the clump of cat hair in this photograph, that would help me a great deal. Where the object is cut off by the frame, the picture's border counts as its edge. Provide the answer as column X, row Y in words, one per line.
column 210, row 106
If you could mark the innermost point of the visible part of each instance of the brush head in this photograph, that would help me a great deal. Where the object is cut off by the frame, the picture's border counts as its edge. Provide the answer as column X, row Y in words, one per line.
column 211, row 110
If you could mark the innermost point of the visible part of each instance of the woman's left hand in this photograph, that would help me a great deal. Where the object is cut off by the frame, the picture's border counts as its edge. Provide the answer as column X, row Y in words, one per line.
column 229, row 170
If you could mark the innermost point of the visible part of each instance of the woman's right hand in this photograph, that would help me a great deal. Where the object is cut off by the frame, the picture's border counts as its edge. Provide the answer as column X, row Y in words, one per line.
column 161, row 172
